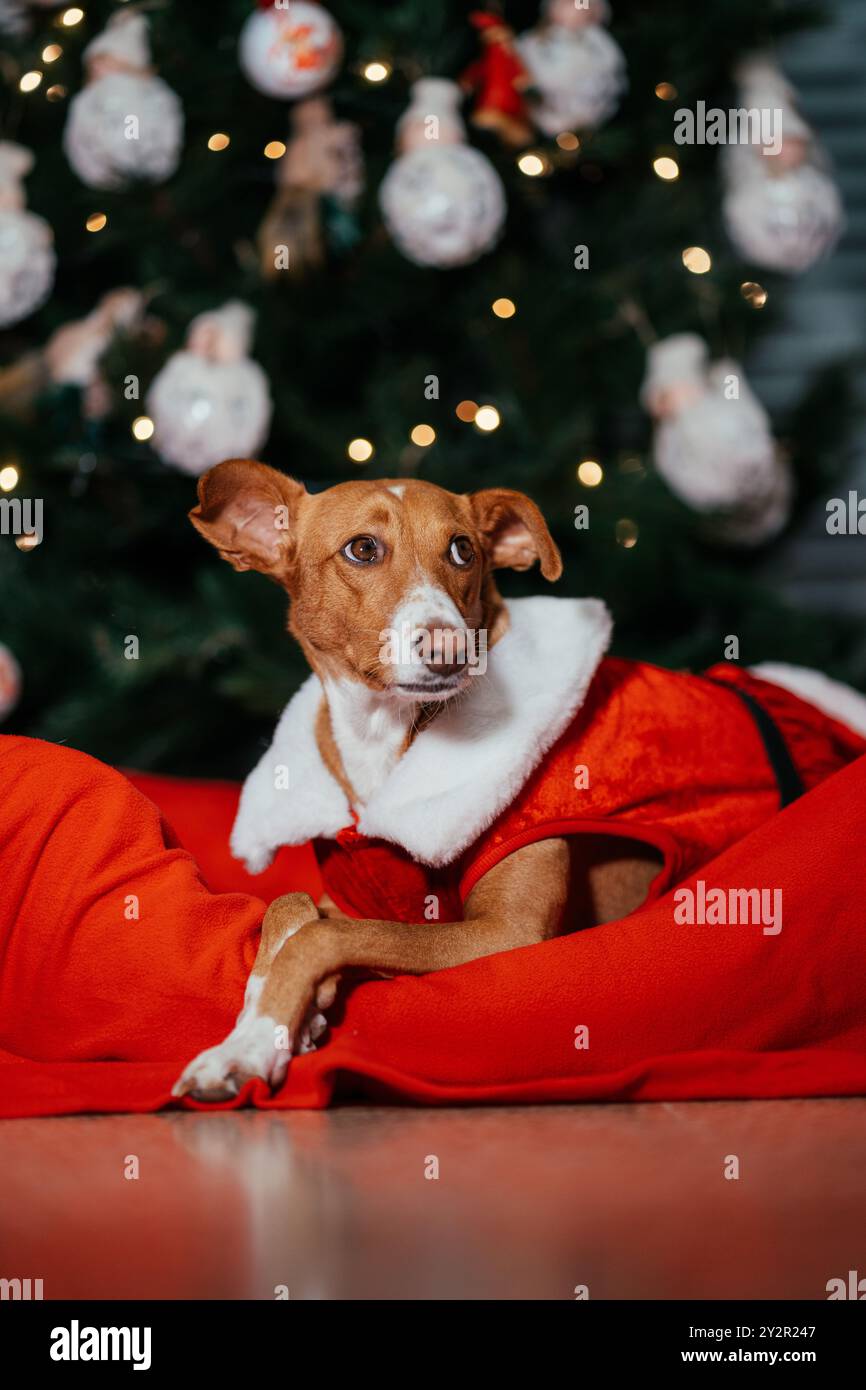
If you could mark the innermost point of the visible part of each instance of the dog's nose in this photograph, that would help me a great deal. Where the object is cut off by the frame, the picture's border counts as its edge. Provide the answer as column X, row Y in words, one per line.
column 442, row 649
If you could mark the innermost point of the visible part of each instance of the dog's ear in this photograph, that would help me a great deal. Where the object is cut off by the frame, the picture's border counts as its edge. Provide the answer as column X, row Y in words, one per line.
column 249, row 512
column 514, row 532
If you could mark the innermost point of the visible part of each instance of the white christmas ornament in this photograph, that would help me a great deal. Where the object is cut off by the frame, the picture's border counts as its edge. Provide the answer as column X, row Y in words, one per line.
column 575, row 65
column 442, row 201
column 27, row 259
column 291, row 50
column 126, row 123
column 10, row 682
column 782, row 209
column 211, row 401
column 713, row 445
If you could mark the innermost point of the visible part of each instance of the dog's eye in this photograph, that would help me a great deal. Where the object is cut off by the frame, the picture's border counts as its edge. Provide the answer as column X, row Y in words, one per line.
column 363, row 550
column 462, row 551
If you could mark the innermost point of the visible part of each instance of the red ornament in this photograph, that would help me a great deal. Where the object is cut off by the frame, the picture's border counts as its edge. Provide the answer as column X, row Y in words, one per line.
column 498, row 79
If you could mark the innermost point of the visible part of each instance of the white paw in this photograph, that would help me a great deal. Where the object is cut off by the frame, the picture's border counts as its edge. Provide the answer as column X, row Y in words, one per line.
column 250, row 1050
column 256, row 1047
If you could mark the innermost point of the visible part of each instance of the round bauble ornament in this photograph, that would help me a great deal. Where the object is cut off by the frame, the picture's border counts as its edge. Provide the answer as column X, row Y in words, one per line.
column 126, row 123
column 27, row 259
column 443, row 202
column 211, row 401
column 574, row 65
column 713, row 444
column 290, row 51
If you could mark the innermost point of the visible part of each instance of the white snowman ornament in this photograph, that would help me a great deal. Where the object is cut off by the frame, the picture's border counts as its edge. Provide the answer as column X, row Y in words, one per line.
column 211, row 401
column 126, row 123
column 713, row 444
column 575, row 66
column 442, row 201
column 781, row 206
column 27, row 259
column 290, row 50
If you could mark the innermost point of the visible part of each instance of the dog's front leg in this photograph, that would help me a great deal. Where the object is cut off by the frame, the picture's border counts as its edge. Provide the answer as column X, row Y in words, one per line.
column 256, row 1045
column 517, row 903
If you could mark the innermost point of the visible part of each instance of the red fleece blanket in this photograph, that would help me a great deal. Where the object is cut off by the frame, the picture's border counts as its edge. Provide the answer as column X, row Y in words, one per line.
column 118, row 963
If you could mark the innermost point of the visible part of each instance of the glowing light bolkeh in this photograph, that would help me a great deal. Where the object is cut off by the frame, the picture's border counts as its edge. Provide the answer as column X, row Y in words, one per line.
column 666, row 168
column 697, row 260
column 590, row 473
column 487, row 418
column 359, row 450
column 142, row 428
column 423, row 435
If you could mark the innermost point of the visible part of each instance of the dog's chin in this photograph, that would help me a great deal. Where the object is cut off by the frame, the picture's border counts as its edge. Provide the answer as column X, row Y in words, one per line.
column 433, row 690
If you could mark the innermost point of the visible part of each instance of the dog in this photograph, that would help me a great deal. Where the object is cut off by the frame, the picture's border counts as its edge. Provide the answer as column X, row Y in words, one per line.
column 447, row 790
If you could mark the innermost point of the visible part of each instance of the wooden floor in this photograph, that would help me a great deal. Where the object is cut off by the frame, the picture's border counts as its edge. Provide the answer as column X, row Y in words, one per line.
column 530, row 1202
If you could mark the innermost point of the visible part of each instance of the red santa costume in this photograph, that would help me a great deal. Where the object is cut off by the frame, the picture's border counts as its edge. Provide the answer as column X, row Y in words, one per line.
column 554, row 739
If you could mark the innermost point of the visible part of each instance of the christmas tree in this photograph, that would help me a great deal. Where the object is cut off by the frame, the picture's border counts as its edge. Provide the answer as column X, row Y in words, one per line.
column 521, row 367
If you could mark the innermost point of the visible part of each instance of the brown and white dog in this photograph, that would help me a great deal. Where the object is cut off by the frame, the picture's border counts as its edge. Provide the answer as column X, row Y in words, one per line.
column 357, row 560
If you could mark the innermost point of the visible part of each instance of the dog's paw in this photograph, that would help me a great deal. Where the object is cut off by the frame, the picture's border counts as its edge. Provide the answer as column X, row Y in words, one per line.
column 251, row 1050
column 254, row 1049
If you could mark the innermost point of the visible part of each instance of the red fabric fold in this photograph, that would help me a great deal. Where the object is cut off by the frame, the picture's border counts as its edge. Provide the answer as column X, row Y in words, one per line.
column 99, row 1010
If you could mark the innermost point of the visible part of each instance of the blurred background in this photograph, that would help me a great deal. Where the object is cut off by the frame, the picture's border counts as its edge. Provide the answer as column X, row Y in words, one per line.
column 239, row 233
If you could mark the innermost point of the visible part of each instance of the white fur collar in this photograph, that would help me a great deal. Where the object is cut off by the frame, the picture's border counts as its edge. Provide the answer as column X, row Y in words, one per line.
column 461, row 772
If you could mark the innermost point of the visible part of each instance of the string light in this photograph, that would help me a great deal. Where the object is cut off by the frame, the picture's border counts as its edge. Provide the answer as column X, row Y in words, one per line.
column 377, row 72
column 487, row 418
column 567, row 140
column 754, row 293
column 532, row 165
column 697, row 260
column 466, row 411
column 359, row 450
column 219, row 141
column 51, row 53
column 56, row 93
column 142, row 428
column 9, row 477
column 504, row 308
column 274, row 149
column 423, row 435
column 96, row 221
column 28, row 541
column 71, row 17
column 626, row 533
column 665, row 91
column 589, row 473
column 666, row 168
column 30, row 81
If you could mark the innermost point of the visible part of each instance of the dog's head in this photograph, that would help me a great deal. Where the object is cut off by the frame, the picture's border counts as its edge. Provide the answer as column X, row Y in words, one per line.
column 390, row 582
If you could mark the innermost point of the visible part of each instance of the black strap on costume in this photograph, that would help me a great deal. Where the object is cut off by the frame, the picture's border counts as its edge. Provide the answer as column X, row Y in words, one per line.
column 788, row 779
